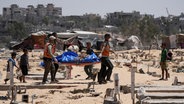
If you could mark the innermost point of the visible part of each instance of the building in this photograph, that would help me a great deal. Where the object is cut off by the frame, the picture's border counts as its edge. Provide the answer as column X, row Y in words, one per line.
column 117, row 18
column 14, row 12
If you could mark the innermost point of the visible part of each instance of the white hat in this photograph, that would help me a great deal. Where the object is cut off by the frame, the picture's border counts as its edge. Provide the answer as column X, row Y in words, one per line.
column 52, row 38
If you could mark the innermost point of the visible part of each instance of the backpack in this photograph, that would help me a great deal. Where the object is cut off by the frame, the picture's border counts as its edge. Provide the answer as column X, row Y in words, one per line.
column 169, row 56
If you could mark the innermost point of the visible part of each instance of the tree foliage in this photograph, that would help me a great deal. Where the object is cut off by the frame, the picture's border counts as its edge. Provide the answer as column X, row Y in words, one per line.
column 17, row 30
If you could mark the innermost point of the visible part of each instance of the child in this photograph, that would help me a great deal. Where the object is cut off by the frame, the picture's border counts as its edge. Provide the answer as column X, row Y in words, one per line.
column 12, row 59
column 24, row 65
column 68, row 69
column 163, row 62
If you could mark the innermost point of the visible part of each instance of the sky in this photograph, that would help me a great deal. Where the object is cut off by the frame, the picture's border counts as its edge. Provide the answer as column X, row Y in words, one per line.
column 101, row 7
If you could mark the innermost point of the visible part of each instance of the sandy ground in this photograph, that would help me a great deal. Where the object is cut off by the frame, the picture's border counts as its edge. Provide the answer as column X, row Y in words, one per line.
column 64, row 96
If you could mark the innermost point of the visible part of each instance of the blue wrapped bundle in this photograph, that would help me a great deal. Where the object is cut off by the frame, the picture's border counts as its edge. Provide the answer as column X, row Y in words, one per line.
column 72, row 58
column 90, row 59
column 42, row 64
column 67, row 57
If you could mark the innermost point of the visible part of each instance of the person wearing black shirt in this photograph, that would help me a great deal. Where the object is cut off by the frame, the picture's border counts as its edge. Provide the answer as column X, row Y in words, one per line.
column 88, row 68
column 24, row 65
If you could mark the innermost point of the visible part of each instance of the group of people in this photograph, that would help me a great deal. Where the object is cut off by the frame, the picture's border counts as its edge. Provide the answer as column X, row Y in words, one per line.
column 51, row 64
column 22, row 68
column 105, row 72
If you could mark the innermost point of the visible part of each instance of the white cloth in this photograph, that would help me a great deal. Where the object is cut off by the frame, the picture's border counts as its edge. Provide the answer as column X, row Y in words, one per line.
column 19, row 73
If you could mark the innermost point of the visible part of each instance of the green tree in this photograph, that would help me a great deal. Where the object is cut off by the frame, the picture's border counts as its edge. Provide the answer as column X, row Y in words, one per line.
column 45, row 20
column 17, row 30
column 148, row 29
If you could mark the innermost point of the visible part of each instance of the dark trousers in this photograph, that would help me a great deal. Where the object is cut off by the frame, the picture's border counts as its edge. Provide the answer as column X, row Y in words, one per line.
column 49, row 67
column 56, row 69
column 106, row 69
column 88, row 70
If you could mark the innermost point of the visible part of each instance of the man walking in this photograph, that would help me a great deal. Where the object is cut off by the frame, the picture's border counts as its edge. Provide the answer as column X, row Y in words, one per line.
column 48, row 58
column 106, row 66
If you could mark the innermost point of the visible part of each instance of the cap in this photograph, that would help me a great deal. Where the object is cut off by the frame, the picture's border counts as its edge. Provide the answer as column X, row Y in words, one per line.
column 52, row 37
